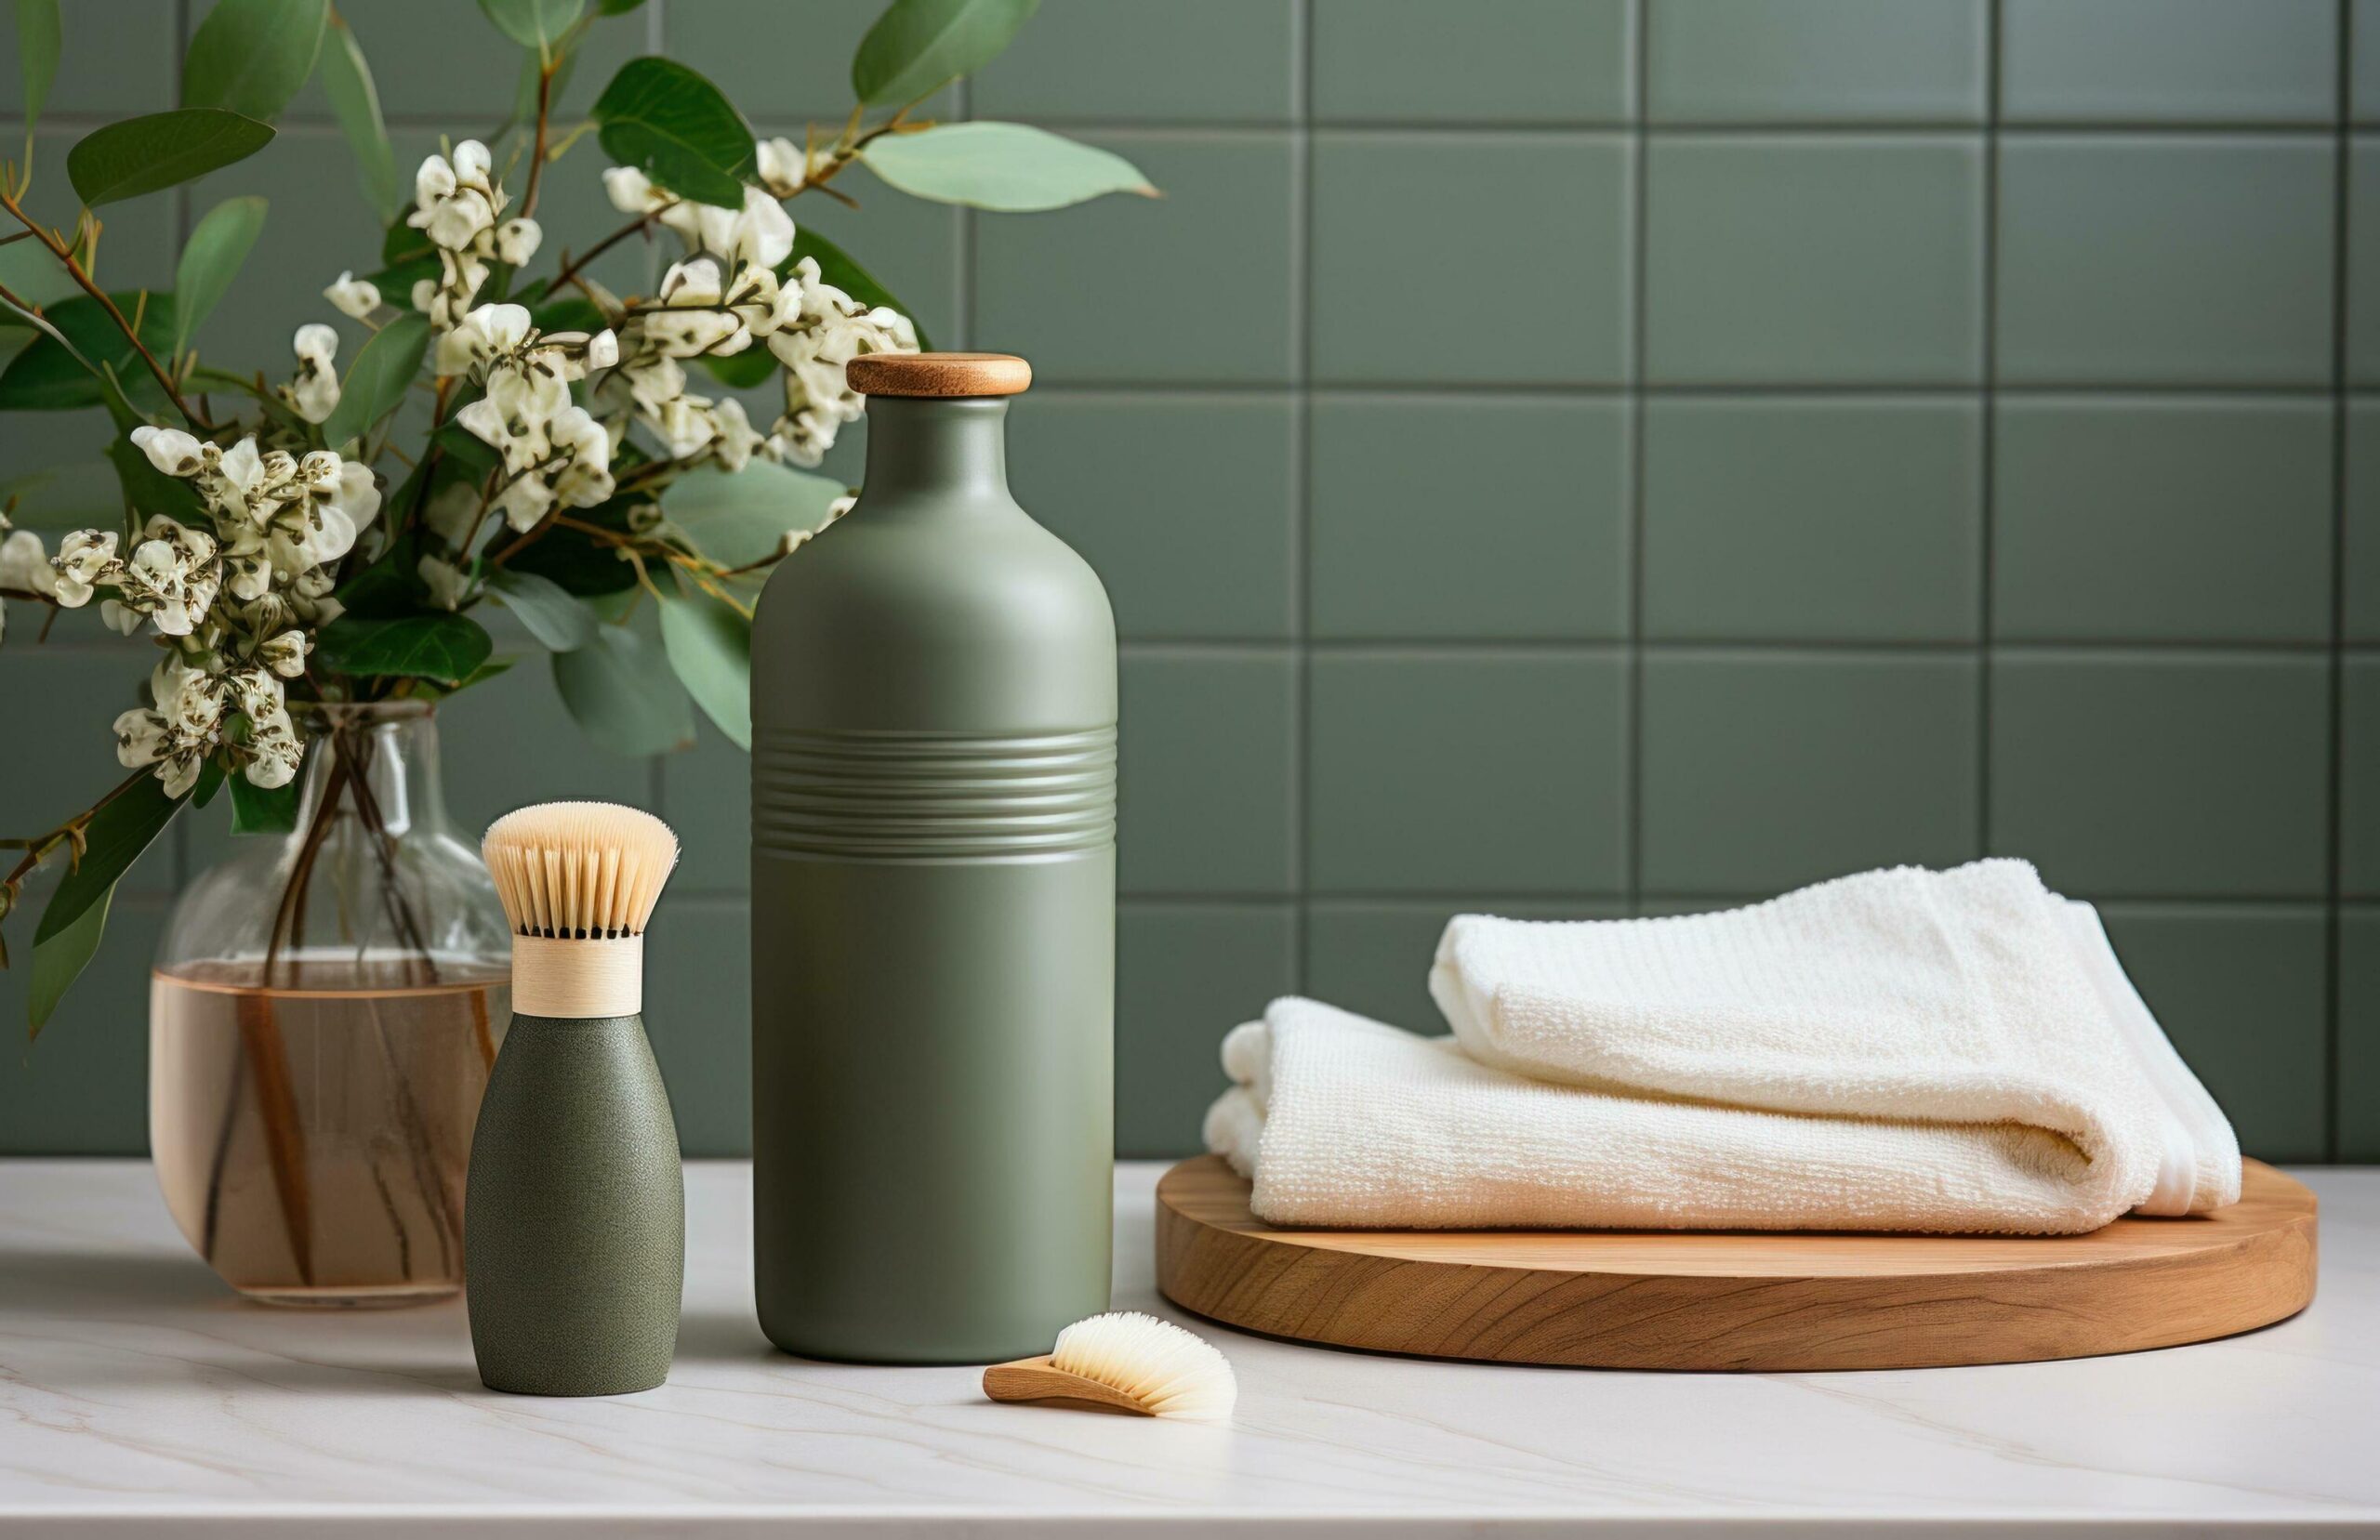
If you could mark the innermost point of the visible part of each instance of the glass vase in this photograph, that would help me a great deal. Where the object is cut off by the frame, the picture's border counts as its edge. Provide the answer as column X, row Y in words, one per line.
column 323, row 1012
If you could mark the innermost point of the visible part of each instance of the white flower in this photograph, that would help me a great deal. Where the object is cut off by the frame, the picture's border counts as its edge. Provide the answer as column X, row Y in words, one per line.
column 736, row 444
column 785, row 167
column 25, row 566
column 349, row 500
column 190, row 699
column 170, row 450
column 140, row 738
column 284, row 654
column 524, row 500
column 684, row 426
column 762, row 232
column 454, row 201
column 602, row 351
column 632, row 192
column 693, row 281
column 274, row 755
column 448, row 584
column 313, row 390
column 84, row 558
column 274, row 750
column 516, row 240
column 248, row 578
column 691, row 333
column 120, row 618
column 171, row 576
column 433, row 181
column 486, row 333
column 356, row 298
column 586, row 480
column 256, row 694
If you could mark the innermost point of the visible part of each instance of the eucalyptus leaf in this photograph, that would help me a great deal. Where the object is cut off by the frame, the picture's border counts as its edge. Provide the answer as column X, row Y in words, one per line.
column 148, row 154
column 1007, row 166
column 255, row 810
column 211, row 258
column 253, row 55
column 710, row 647
column 621, row 691
column 210, row 780
column 578, row 563
column 742, row 370
column 533, row 23
column 375, row 382
column 617, row 7
column 391, row 586
column 553, row 615
column 49, row 377
column 59, row 961
column 76, row 917
column 355, row 101
column 918, row 47
column 443, row 647
column 836, row 267
column 37, row 44
column 676, row 127
column 738, row 520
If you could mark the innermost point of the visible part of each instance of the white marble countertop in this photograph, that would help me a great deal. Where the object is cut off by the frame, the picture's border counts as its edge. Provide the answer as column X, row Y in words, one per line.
column 137, row 1396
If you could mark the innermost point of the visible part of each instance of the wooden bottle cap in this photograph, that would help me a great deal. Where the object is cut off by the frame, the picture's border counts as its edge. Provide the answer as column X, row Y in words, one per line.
column 938, row 374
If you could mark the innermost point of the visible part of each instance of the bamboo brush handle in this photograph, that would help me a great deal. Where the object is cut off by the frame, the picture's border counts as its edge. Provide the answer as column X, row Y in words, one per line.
column 1034, row 1380
column 578, row 980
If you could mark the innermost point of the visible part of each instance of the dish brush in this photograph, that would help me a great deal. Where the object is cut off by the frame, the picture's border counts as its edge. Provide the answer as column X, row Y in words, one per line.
column 1128, row 1361
column 573, row 1229
column 578, row 881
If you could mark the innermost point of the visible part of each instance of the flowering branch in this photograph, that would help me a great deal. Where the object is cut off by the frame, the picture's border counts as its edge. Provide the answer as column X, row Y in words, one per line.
column 538, row 151
column 75, row 270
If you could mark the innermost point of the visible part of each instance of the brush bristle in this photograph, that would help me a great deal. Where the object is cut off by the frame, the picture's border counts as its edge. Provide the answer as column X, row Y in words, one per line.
column 1170, row 1372
column 579, row 870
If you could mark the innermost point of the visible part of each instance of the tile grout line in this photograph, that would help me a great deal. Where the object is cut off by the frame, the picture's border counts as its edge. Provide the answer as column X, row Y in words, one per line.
column 2334, row 957
column 656, row 776
column 184, row 861
column 1640, row 198
column 1301, row 551
column 1989, row 404
column 1928, row 128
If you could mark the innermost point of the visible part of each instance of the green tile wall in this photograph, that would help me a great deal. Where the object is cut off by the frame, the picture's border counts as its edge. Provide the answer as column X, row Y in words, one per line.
column 1567, row 457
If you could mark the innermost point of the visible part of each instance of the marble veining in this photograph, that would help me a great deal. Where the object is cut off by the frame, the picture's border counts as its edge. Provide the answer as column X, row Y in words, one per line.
column 136, row 1392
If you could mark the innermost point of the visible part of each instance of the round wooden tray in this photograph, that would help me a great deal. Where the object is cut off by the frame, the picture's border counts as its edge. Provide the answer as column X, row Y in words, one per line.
column 1736, row 1300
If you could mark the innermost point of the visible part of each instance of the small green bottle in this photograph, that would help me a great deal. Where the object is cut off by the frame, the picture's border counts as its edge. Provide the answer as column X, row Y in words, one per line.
column 574, row 1214
column 934, row 877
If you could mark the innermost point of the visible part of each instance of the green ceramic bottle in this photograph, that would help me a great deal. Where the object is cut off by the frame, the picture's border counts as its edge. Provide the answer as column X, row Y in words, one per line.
column 933, row 874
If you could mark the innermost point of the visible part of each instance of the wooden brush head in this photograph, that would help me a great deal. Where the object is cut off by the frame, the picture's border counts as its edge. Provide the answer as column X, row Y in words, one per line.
column 578, row 881
column 579, row 871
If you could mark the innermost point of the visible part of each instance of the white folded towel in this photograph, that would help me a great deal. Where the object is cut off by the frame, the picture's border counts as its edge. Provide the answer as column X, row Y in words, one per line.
column 1900, row 1050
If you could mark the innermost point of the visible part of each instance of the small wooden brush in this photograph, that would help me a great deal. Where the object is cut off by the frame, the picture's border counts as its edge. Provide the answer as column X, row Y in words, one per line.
column 575, row 1231
column 578, row 881
column 1126, row 1361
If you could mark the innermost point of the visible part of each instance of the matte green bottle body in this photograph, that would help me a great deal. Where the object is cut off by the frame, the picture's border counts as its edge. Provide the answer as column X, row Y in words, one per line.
column 933, row 684
column 574, row 1218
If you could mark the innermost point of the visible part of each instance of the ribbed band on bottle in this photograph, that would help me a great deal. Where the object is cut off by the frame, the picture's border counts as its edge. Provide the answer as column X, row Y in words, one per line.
column 872, row 795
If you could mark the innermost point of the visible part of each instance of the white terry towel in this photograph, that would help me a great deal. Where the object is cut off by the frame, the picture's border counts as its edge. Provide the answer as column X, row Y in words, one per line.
column 1900, row 1050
